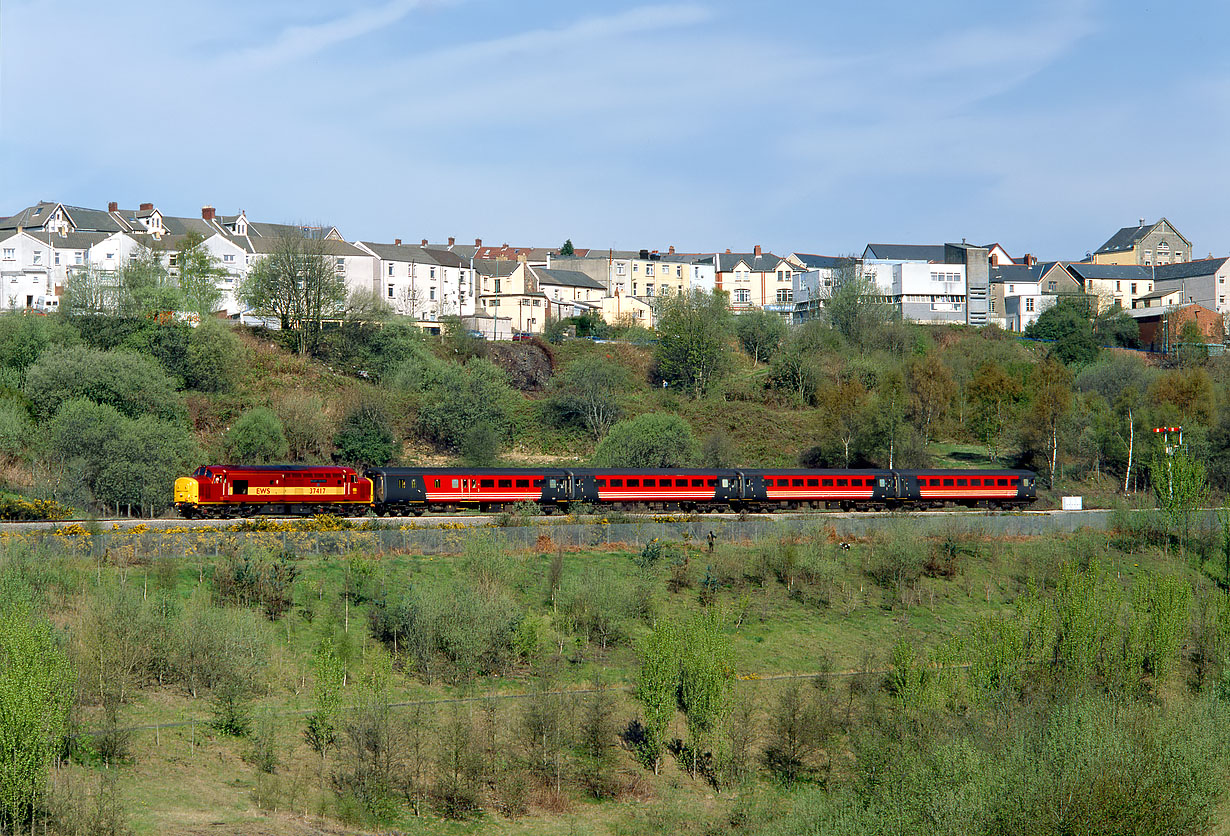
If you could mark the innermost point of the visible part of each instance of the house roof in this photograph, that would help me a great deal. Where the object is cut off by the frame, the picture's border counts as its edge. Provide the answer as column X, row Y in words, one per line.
column 495, row 268
column 71, row 241
column 763, row 263
column 566, row 278
column 1017, row 273
column 905, row 252
column 401, row 252
column 1127, row 237
column 1190, row 269
column 822, row 262
column 1131, row 272
column 182, row 226
column 35, row 215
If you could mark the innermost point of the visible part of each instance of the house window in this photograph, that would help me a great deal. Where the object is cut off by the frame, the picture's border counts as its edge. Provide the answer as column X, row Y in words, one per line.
column 432, row 274
column 648, row 269
column 390, row 291
column 1050, row 286
column 229, row 259
column 635, row 267
column 111, row 257
column 341, row 264
column 1011, row 288
column 1118, row 285
column 10, row 253
column 1029, row 304
column 742, row 296
column 57, row 258
column 992, row 306
column 779, row 275
column 38, row 256
column 1133, row 288
column 390, row 269
column 497, row 285
column 431, row 294
column 619, row 269
column 649, row 289
column 678, row 271
column 77, row 257
column 1178, row 256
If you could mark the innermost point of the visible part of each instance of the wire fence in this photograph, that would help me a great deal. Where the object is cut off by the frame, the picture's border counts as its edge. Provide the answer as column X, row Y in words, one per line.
column 540, row 535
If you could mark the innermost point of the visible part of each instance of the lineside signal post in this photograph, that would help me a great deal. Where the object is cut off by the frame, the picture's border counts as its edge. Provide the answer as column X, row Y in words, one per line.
column 1170, row 448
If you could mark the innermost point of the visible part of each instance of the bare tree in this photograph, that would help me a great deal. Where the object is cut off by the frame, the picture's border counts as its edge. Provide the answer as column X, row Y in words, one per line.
column 297, row 283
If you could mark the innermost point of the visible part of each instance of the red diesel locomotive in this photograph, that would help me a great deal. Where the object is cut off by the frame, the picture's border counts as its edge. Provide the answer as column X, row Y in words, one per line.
column 245, row 491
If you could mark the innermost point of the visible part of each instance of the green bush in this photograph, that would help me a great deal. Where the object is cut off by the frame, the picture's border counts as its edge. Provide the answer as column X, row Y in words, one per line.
column 257, row 438
column 133, row 384
column 464, row 397
column 366, row 436
column 652, row 440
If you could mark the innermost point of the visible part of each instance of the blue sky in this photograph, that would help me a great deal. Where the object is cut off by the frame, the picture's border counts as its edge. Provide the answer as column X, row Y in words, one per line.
column 797, row 125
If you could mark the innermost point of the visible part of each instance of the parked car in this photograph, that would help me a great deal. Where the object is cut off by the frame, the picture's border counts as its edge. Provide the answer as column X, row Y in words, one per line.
column 478, row 335
column 522, row 337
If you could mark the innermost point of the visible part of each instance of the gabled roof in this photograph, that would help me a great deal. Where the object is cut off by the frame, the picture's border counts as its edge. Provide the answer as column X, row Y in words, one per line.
column 35, row 215
column 1018, row 273
column 1127, row 237
column 401, row 252
column 763, row 263
column 566, row 278
column 71, row 241
column 98, row 220
column 905, row 252
column 445, row 258
column 495, row 268
column 1190, row 269
column 823, row 262
column 182, row 226
column 1125, row 272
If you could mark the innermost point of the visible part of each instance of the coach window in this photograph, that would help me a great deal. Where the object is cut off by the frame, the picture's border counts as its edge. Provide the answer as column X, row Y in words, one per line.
column 602, row 483
column 523, row 483
column 798, row 483
column 1013, row 481
column 506, row 483
column 841, row 483
column 698, row 483
column 486, row 483
column 948, row 483
column 935, row 483
column 1003, row 483
column 437, row 483
column 975, row 483
column 651, row 483
column 961, row 483
column 401, row 483
column 634, row 483
column 712, row 483
column 828, row 483
column 664, row 483
column 617, row 483
column 856, row 483
column 456, row 484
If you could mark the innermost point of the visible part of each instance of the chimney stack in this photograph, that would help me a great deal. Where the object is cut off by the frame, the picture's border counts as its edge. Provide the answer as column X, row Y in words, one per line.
column 671, row 251
column 424, row 244
column 1142, row 221
column 451, row 240
column 207, row 213
column 756, row 249
column 396, row 242
column 728, row 251
column 478, row 242
column 113, row 207
column 147, row 207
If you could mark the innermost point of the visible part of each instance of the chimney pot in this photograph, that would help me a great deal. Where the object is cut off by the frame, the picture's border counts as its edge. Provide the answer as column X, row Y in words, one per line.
column 207, row 213
column 728, row 251
column 1142, row 221
column 147, row 207
column 424, row 242
column 113, row 207
column 756, row 249
column 478, row 242
column 396, row 242
column 451, row 240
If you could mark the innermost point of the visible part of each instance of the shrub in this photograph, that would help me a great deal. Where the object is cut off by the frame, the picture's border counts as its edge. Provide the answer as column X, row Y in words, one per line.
column 254, row 578
column 366, row 437
column 134, row 385
column 652, row 440
column 256, row 438
column 463, row 397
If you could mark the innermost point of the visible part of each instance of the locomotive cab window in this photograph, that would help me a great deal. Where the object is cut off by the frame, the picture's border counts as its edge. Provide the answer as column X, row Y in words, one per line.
column 551, row 483
column 948, row 483
column 725, row 483
column 538, row 483
column 486, row 483
column 881, row 482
